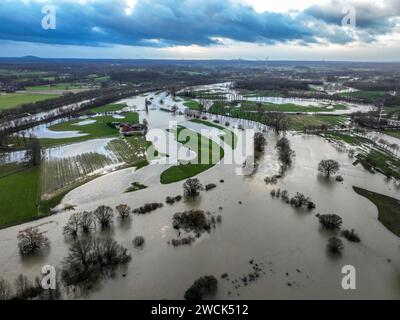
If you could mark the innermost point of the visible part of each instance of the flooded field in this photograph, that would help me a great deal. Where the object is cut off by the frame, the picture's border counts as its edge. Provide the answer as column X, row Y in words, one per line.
column 286, row 243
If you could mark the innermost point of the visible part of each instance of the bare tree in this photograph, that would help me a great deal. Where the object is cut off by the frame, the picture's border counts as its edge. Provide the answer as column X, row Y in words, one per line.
column 31, row 240
column 5, row 290
column 34, row 152
column 259, row 142
column 22, row 286
column 90, row 259
column 278, row 121
column 328, row 167
column 73, row 225
column 286, row 154
column 300, row 200
column 330, row 221
column 104, row 215
column 88, row 222
column 335, row 245
column 124, row 211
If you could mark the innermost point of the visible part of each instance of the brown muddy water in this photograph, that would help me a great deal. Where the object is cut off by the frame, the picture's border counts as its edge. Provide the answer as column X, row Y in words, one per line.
column 287, row 243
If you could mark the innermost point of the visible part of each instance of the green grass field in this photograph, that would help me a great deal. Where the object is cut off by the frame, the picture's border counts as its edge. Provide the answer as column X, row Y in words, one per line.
column 289, row 107
column 348, row 138
column 198, row 144
column 389, row 209
column 12, row 100
column 60, row 86
column 19, row 194
column 108, row 108
column 229, row 138
column 383, row 161
column 297, row 122
column 191, row 104
column 393, row 133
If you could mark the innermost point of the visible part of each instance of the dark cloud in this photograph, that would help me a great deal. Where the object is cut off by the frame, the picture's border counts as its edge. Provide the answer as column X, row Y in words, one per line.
column 161, row 23
column 370, row 17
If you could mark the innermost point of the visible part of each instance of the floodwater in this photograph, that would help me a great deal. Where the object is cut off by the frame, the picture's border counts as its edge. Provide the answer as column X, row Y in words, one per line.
column 12, row 157
column 287, row 243
column 42, row 131
column 231, row 94
column 76, row 149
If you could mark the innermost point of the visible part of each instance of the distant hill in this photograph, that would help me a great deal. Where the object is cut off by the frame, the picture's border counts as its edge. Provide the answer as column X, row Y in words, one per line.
column 197, row 63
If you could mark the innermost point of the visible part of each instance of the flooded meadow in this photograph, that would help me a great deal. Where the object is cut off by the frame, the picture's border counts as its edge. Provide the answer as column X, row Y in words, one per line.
column 286, row 244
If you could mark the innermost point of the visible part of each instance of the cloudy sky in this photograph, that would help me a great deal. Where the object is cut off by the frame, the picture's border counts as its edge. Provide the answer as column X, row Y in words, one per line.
column 204, row 29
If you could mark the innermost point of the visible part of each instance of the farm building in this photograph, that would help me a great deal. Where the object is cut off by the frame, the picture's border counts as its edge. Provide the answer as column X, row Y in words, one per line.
column 127, row 129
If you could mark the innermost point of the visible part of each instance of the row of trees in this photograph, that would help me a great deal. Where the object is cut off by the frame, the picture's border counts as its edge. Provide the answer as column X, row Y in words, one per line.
column 286, row 154
column 86, row 222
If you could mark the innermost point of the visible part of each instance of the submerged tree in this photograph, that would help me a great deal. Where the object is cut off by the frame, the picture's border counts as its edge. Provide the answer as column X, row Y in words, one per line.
column 330, row 221
column 22, row 286
column 335, row 245
column 278, row 121
column 88, row 260
column 73, row 225
column 351, row 235
column 138, row 242
column 104, row 215
column 299, row 200
column 328, row 167
column 203, row 286
column 259, row 142
column 88, row 222
column 5, row 290
column 286, row 154
column 31, row 240
column 192, row 187
column 124, row 211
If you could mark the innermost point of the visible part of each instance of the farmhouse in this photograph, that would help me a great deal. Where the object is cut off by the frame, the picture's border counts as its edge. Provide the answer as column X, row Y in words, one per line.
column 127, row 129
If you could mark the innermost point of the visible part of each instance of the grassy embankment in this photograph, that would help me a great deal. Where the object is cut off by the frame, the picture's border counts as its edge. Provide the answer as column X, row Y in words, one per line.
column 12, row 100
column 389, row 209
column 200, row 145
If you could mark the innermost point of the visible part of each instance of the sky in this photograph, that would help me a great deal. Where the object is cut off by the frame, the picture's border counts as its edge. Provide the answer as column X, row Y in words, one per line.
column 349, row 30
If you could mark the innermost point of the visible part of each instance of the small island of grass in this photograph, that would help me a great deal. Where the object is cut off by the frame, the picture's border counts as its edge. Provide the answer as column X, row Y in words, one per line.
column 389, row 209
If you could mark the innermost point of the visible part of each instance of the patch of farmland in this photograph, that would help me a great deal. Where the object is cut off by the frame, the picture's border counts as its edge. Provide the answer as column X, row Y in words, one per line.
column 128, row 150
column 63, row 167
column 58, row 173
